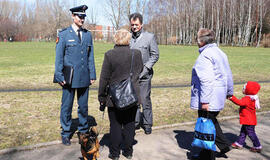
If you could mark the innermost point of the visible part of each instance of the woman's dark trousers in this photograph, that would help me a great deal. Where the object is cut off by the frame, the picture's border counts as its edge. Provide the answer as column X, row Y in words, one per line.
column 122, row 125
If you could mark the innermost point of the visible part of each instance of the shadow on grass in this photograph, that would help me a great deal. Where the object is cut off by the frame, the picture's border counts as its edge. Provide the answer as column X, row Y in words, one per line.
column 184, row 140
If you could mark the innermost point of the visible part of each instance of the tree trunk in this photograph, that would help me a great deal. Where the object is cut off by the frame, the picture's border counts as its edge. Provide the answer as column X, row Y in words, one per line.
column 248, row 26
column 241, row 10
column 217, row 22
column 261, row 19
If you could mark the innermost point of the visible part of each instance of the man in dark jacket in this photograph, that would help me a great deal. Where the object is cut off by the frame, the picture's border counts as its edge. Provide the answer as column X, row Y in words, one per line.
column 146, row 43
column 75, row 48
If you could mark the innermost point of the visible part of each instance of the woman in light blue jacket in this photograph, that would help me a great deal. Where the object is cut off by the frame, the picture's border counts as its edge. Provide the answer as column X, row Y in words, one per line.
column 211, row 83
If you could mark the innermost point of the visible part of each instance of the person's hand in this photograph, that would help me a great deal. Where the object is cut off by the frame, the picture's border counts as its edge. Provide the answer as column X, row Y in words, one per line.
column 92, row 81
column 102, row 106
column 62, row 83
column 229, row 96
column 205, row 106
column 144, row 72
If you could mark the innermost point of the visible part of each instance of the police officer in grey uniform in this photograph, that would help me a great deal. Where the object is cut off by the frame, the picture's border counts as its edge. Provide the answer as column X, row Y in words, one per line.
column 146, row 43
column 75, row 48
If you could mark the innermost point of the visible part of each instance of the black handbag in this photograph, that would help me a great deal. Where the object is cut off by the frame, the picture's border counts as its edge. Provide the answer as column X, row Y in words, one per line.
column 123, row 94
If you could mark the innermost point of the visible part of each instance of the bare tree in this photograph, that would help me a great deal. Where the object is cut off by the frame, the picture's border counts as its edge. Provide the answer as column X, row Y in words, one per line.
column 93, row 17
column 118, row 11
column 248, row 25
column 140, row 6
column 115, row 11
column 232, row 20
column 263, row 11
column 128, row 9
column 9, row 17
column 236, row 22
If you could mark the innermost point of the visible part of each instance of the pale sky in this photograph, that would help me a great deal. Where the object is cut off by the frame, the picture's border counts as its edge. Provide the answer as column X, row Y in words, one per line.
column 97, row 5
column 98, row 8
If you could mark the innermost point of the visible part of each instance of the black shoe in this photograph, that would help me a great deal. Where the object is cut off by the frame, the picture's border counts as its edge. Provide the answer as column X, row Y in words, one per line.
column 225, row 150
column 66, row 141
column 221, row 155
column 112, row 157
column 128, row 156
column 137, row 127
column 222, row 152
column 148, row 130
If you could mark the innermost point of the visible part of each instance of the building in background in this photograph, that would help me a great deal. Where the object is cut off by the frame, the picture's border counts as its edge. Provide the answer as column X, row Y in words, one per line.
column 101, row 33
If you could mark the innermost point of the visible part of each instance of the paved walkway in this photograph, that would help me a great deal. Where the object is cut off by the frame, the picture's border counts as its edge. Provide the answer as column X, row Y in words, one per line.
column 96, row 88
column 163, row 144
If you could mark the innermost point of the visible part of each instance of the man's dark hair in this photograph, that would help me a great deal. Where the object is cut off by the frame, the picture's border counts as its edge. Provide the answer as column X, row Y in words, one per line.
column 134, row 16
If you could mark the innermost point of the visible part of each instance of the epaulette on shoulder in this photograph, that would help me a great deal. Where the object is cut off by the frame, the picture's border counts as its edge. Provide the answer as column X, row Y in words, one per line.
column 63, row 29
column 59, row 33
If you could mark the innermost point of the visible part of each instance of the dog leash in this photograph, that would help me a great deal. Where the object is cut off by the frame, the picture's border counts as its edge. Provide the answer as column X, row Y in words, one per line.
column 102, row 126
column 102, row 119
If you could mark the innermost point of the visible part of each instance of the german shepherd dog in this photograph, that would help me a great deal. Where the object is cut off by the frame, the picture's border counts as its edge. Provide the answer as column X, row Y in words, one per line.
column 89, row 143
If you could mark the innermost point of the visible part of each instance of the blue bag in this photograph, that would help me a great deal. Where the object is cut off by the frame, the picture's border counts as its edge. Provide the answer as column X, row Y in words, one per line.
column 205, row 134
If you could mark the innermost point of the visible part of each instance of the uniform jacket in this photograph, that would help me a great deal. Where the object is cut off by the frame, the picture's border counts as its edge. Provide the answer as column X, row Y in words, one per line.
column 211, row 79
column 247, row 110
column 147, row 44
column 71, row 52
column 116, row 67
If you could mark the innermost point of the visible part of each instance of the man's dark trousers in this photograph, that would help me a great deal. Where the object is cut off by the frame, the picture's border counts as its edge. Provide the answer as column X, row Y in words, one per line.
column 66, row 110
column 147, row 115
column 221, row 141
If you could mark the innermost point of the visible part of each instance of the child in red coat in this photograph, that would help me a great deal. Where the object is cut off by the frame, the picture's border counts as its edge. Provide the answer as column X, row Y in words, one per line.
column 247, row 112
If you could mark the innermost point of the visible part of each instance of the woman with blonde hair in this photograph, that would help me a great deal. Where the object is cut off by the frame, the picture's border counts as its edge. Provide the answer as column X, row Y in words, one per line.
column 116, row 67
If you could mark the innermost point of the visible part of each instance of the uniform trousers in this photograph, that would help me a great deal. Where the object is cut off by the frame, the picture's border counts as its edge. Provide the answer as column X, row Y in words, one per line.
column 221, row 141
column 146, row 117
column 122, row 125
column 66, row 110
column 250, row 131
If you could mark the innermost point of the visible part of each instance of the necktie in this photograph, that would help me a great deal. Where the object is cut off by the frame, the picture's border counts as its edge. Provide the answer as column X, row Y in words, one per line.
column 79, row 34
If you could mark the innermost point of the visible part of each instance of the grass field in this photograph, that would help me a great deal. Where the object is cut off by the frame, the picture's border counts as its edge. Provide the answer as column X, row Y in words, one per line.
column 31, row 65
column 33, row 117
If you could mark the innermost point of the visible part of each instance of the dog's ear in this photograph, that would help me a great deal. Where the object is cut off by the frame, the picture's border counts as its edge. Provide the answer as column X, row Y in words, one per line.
column 80, row 137
column 94, row 130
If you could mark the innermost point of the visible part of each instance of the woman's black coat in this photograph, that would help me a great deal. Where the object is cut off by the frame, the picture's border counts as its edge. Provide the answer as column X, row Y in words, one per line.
column 116, row 67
